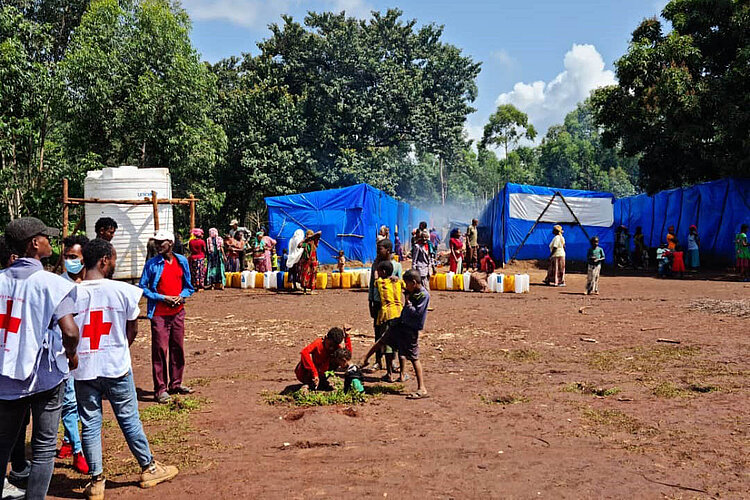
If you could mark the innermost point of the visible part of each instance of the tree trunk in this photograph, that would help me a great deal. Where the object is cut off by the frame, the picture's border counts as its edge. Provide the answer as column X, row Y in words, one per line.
column 442, row 182
column 142, row 162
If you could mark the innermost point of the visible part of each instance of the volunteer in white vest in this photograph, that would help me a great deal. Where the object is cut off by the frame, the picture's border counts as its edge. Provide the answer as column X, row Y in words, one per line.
column 108, row 320
column 34, row 358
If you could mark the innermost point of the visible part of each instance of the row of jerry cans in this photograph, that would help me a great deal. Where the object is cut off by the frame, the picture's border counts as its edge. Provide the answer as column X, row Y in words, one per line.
column 499, row 283
column 270, row 280
column 511, row 283
column 357, row 278
column 450, row 281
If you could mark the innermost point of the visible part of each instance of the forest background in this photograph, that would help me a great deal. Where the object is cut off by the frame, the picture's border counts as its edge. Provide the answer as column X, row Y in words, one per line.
column 331, row 101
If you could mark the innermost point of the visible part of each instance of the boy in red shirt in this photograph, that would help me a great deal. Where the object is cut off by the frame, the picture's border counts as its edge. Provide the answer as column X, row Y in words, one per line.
column 316, row 359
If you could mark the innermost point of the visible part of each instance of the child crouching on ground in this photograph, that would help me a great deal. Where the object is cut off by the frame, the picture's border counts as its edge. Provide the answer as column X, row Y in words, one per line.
column 403, row 334
column 316, row 359
column 352, row 373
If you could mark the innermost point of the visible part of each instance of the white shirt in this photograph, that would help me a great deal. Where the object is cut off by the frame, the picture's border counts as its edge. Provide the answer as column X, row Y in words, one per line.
column 558, row 243
column 102, row 317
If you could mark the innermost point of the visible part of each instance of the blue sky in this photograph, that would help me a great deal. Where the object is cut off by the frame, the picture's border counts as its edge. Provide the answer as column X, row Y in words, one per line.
column 541, row 55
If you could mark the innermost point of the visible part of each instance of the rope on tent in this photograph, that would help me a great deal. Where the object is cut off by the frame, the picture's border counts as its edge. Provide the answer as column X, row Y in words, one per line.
column 335, row 250
column 575, row 217
column 533, row 227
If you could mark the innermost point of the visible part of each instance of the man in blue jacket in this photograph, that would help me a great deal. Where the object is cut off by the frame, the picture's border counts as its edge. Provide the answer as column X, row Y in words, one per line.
column 166, row 285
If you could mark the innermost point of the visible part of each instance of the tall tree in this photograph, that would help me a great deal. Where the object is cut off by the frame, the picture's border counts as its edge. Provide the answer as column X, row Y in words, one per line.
column 506, row 126
column 137, row 93
column 349, row 101
column 682, row 101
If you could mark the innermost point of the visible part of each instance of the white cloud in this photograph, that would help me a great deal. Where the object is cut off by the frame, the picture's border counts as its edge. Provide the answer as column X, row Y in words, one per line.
column 260, row 13
column 548, row 103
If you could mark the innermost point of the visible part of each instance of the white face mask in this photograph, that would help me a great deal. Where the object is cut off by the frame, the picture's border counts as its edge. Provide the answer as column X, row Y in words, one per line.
column 73, row 266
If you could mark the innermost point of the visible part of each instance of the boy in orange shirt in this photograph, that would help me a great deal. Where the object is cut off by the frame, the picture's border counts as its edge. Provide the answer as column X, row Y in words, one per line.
column 316, row 359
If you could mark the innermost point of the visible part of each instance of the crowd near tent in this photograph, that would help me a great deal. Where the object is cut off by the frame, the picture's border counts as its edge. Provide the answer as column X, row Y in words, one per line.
column 518, row 222
column 717, row 208
column 349, row 219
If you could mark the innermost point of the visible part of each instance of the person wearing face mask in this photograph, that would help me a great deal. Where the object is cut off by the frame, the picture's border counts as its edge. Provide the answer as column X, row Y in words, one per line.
column 71, row 446
column 166, row 284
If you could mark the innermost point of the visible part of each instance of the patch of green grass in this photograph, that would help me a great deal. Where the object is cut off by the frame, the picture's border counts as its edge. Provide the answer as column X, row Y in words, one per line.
column 670, row 390
column 320, row 398
column 198, row 382
column 378, row 390
column 507, row 399
column 640, row 359
column 522, row 355
column 615, row 419
column 176, row 408
column 586, row 388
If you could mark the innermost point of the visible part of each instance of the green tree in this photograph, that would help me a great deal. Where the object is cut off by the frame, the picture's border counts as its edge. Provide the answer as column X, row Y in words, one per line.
column 506, row 126
column 572, row 155
column 137, row 93
column 682, row 102
column 336, row 101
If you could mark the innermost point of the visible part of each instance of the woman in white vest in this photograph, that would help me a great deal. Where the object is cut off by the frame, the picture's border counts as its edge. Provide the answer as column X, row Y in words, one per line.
column 33, row 358
column 107, row 316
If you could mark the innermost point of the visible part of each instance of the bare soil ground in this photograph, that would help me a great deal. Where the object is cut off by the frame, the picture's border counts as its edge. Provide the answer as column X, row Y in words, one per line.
column 520, row 406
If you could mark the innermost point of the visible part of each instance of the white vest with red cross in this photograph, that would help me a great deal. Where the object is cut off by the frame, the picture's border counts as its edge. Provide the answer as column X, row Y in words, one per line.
column 102, row 316
column 26, row 310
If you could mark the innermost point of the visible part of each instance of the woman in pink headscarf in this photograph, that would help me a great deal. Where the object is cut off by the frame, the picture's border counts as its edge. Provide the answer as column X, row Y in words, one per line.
column 215, row 258
column 269, row 245
column 197, row 258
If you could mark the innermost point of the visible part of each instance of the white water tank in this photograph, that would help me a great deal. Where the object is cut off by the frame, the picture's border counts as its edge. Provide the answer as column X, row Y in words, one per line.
column 135, row 223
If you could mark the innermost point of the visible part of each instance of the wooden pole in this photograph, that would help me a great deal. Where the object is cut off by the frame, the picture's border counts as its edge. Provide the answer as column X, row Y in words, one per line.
column 192, row 212
column 155, row 202
column 65, row 208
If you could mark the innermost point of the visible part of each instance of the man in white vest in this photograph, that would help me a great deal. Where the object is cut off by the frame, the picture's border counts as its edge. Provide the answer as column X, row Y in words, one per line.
column 34, row 358
column 107, row 315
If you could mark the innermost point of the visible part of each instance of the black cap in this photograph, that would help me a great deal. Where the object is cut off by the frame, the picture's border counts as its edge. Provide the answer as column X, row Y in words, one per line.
column 20, row 230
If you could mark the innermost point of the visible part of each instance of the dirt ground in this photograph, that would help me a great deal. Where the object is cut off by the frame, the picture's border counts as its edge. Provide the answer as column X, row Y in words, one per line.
column 521, row 406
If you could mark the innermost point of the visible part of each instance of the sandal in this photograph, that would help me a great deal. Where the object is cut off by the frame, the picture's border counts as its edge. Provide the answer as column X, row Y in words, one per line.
column 402, row 380
column 418, row 395
column 387, row 378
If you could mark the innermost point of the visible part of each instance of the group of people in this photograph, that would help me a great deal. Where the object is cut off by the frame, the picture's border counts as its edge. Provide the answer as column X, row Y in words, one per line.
column 212, row 257
column 66, row 347
column 398, row 303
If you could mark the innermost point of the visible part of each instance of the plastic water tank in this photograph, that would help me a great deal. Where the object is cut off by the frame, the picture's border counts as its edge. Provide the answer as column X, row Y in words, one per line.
column 135, row 223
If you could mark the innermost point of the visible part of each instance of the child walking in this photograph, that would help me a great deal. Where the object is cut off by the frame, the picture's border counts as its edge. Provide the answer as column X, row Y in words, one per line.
column 403, row 335
column 595, row 257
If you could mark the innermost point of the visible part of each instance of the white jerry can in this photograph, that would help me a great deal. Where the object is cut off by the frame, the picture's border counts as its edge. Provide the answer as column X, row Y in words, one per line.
column 245, row 282
column 273, row 280
column 449, row 281
column 518, row 284
column 251, row 278
column 467, row 282
column 500, row 283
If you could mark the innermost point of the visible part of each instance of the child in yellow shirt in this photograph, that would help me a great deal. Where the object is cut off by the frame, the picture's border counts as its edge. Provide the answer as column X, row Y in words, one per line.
column 389, row 290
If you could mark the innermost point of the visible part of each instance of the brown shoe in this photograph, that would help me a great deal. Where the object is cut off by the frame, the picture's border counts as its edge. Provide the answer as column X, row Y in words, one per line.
column 95, row 489
column 157, row 473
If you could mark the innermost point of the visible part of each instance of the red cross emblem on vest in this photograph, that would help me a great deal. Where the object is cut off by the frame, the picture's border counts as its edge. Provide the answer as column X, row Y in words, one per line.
column 8, row 323
column 95, row 329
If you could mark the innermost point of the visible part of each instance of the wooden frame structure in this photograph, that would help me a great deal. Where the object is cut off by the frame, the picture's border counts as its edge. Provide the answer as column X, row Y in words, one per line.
column 68, row 202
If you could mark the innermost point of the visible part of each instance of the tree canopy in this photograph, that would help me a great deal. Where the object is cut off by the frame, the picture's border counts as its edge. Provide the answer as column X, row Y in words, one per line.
column 682, row 102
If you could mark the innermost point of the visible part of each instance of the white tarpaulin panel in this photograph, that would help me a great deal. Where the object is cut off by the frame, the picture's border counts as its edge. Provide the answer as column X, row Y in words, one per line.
column 590, row 211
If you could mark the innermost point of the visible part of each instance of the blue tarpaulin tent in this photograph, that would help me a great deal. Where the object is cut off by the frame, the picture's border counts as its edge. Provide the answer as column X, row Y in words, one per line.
column 508, row 218
column 717, row 208
column 348, row 217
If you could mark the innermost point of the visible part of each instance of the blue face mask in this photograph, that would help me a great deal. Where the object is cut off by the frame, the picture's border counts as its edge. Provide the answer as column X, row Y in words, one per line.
column 73, row 266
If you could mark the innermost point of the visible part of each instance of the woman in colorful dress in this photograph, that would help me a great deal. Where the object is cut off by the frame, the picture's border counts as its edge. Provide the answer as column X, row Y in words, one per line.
column 259, row 255
column 268, row 246
column 215, row 259
column 457, row 251
column 197, row 258
column 309, row 260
